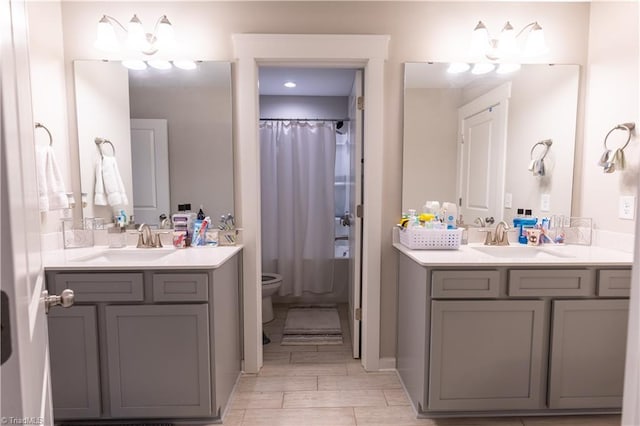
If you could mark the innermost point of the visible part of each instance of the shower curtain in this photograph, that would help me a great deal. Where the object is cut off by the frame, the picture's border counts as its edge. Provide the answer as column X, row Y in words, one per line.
column 297, row 161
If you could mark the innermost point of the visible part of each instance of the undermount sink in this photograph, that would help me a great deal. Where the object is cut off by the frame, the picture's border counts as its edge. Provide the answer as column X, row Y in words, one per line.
column 520, row 251
column 125, row 255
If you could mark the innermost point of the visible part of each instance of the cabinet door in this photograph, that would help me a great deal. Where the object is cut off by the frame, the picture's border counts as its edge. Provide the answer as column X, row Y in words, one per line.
column 588, row 347
column 73, row 349
column 158, row 358
column 486, row 355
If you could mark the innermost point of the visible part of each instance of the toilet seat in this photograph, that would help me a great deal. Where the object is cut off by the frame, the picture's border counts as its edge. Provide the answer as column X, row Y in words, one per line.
column 270, row 278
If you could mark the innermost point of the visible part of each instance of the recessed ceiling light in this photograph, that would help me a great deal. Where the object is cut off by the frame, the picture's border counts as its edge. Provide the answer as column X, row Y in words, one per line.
column 290, row 84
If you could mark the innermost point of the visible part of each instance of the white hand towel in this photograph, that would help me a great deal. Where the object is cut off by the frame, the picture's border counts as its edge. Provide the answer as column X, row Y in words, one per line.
column 109, row 183
column 52, row 195
column 99, row 198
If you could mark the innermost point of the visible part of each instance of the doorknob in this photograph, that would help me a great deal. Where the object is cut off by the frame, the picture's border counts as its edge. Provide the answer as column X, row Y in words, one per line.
column 65, row 299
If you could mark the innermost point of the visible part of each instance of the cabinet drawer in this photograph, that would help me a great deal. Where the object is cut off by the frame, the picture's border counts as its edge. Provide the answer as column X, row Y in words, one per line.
column 614, row 283
column 101, row 287
column 180, row 288
column 566, row 282
column 465, row 284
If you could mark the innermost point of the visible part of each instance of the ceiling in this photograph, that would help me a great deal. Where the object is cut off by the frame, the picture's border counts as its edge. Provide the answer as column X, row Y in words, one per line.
column 309, row 81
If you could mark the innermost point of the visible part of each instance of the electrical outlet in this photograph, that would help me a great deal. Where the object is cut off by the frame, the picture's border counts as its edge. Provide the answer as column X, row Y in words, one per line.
column 508, row 200
column 545, row 202
column 627, row 208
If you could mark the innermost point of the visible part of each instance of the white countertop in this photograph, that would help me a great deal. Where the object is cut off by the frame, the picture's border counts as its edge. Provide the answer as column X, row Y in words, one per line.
column 130, row 258
column 549, row 255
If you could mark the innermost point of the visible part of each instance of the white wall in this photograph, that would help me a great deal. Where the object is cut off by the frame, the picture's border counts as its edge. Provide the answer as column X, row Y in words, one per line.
column 102, row 111
column 429, row 168
column 48, row 89
column 533, row 118
column 303, row 106
column 611, row 98
column 420, row 31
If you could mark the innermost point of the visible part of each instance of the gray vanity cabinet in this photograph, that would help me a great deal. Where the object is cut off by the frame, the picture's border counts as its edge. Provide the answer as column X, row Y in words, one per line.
column 75, row 372
column 588, row 347
column 506, row 340
column 486, row 355
column 158, row 359
column 152, row 344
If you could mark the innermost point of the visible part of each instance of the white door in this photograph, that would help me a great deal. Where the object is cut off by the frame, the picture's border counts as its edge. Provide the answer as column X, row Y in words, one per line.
column 355, row 203
column 150, row 164
column 26, row 387
column 482, row 156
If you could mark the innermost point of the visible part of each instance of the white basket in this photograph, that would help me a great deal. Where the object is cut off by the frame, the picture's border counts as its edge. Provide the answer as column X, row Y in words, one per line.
column 417, row 238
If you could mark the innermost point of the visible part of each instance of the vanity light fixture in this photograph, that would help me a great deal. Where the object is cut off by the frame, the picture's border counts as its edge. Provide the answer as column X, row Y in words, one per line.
column 141, row 43
column 289, row 84
column 137, row 40
column 506, row 44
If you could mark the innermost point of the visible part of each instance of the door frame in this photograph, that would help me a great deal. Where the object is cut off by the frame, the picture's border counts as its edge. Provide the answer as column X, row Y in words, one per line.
column 339, row 51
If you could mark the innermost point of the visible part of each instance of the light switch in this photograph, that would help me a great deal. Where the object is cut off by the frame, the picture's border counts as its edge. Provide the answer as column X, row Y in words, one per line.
column 508, row 200
column 545, row 202
column 627, row 207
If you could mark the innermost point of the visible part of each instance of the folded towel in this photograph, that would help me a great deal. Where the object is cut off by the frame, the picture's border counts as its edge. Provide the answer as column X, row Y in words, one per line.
column 52, row 195
column 109, row 188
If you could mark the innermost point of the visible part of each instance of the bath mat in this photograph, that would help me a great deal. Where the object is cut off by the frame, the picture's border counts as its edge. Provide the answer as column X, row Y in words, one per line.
column 312, row 325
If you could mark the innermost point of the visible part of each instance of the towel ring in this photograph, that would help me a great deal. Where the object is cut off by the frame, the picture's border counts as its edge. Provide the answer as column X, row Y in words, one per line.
column 629, row 127
column 547, row 144
column 100, row 141
column 42, row 126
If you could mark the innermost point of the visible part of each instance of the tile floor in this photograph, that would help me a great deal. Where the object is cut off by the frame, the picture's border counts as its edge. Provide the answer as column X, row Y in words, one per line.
column 325, row 386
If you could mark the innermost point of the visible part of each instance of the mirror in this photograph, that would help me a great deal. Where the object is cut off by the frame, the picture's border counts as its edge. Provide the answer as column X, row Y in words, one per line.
column 171, row 131
column 471, row 139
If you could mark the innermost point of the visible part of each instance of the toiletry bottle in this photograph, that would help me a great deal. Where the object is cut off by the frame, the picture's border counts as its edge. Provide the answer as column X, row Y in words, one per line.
column 201, row 214
column 450, row 220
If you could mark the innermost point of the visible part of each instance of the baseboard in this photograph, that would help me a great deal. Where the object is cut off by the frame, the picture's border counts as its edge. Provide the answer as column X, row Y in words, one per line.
column 388, row 363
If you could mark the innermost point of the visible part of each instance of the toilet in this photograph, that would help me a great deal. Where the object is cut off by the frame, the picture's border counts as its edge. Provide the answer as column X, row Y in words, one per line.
column 270, row 285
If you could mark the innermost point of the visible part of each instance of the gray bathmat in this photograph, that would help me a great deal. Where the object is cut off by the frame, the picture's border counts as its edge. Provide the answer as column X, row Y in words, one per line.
column 312, row 325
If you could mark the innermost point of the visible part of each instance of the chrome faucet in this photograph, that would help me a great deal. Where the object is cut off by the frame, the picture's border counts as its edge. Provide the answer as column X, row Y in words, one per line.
column 145, row 237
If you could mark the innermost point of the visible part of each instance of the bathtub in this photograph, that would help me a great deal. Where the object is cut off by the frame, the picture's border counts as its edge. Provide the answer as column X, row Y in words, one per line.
column 340, row 292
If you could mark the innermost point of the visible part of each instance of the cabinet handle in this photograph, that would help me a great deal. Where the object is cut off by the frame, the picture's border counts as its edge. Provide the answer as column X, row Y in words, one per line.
column 65, row 299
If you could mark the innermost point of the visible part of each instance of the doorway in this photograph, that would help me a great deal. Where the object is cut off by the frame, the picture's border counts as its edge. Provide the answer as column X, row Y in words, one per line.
column 359, row 51
column 310, row 133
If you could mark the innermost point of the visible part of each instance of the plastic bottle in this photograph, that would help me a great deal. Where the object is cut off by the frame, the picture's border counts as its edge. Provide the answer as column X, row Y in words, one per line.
column 201, row 214
column 413, row 218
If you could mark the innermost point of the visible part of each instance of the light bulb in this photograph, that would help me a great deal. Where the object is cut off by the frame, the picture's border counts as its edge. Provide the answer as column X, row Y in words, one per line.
column 482, row 68
column 135, row 64
column 106, row 39
column 185, row 64
column 479, row 40
column 136, row 38
column 165, row 37
column 159, row 64
column 535, row 44
column 458, row 67
column 289, row 84
column 507, row 40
